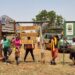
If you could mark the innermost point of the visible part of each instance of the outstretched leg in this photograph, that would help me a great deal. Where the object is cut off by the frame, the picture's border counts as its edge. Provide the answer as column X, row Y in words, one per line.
column 17, row 56
column 31, row 51
column 26, row 53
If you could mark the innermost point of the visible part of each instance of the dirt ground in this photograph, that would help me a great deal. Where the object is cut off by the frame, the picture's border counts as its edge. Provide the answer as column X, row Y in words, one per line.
column 38, row 68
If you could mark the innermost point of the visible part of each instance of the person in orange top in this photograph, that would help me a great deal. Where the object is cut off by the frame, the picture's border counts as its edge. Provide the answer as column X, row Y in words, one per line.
column 29, row 48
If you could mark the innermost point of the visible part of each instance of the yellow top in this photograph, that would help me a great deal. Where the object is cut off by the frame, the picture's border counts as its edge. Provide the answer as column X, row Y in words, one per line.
column 28, row 42
column 52, row 44
column 55, row 40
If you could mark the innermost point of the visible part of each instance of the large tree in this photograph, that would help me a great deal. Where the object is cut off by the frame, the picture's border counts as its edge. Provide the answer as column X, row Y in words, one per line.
column 59, row 20
column 42, row 16
column 51, row 17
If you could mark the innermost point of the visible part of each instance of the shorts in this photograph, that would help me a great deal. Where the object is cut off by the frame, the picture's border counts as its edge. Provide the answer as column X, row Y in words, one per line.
column 55, row 53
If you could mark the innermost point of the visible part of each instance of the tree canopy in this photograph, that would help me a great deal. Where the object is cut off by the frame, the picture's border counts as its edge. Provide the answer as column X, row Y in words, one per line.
column 53, row 19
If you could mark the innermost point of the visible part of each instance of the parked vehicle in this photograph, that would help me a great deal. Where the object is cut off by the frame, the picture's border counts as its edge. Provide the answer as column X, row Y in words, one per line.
column 47, row 37
column 68, row 47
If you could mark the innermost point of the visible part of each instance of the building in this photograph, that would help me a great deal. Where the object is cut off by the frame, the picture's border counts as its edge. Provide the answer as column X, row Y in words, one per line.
column 7, row 25
column 69, row 29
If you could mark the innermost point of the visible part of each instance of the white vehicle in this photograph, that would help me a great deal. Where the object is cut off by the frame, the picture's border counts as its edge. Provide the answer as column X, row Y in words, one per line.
column 47, row 37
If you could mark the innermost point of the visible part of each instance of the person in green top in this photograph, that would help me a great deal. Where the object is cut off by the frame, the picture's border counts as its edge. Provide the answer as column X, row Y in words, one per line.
column 62, row 44
column 6, row 46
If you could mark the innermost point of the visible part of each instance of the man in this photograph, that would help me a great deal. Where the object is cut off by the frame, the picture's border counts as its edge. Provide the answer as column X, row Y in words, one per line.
column 29, row 46
column 6, row 46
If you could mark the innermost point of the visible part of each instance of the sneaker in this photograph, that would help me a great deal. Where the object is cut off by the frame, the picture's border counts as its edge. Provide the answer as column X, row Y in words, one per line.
column 17, row 62
column 53, row 62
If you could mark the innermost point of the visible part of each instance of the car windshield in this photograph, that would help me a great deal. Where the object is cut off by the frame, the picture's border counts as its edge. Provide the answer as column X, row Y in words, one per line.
column 47, row 36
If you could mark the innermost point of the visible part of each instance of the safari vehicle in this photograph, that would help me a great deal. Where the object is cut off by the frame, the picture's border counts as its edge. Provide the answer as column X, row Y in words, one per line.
column 65, row 47
column 47, row 38
column 69, row 32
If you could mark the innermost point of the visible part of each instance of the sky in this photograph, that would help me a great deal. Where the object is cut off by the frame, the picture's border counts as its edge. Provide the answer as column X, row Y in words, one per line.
column 25, row 10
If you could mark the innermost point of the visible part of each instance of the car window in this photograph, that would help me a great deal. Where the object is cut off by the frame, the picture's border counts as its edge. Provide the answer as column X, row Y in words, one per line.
column 47, row 36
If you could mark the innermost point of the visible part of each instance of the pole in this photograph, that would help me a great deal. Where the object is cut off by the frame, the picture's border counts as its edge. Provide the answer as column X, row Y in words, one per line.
column 0, row 29
column 63, row 57
column 63, row 53
column 41, row 45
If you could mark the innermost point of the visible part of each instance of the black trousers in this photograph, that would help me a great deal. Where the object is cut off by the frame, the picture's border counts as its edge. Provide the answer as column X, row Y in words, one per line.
column 5, row 52
column 26, row 53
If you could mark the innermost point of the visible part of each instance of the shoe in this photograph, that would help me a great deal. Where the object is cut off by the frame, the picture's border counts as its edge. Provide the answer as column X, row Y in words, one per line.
column 17, row 62
column 53, row 62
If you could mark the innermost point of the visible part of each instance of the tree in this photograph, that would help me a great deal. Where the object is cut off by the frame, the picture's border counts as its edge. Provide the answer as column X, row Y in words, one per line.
column 59, row 21
column 42, row 16
column 51, row 17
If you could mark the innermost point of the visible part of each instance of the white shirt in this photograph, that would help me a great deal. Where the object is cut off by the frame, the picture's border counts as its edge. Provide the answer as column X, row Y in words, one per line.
column 38, row 39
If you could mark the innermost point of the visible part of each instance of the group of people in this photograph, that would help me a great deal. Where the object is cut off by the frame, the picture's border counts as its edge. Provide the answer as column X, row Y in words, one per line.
column 7, row 47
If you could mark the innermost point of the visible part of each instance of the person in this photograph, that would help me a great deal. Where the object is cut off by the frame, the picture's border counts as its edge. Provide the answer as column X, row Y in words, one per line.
column 60, row 44
column 29, row 48
column 42, row 42
column 72, row 54
column 54, row 49
column 38, row 41
column 1, row 56
column 72, row 51
column 6, row 48
column 17, row 44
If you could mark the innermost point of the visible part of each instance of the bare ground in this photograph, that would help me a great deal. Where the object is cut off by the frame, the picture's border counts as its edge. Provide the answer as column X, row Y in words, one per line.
column 38, row 68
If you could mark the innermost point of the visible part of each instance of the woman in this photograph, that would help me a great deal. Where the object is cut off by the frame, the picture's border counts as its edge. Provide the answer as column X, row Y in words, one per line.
column 17, row 45
column 29, row 48
column 54, row 50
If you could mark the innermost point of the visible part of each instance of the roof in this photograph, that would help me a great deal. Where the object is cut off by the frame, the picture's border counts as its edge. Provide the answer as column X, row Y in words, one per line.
column 69, row 21
column 5, row 19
